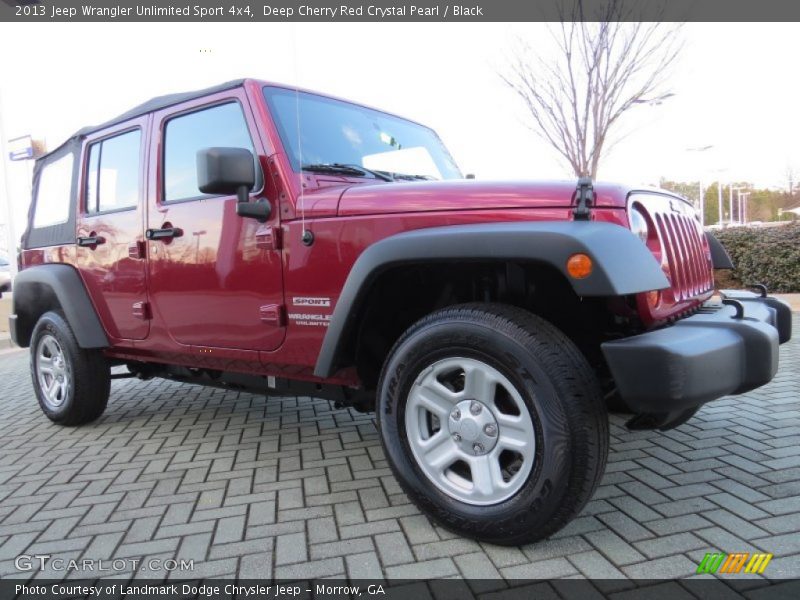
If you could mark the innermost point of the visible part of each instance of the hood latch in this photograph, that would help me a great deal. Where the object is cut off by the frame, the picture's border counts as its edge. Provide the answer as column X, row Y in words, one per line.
column 585, row 196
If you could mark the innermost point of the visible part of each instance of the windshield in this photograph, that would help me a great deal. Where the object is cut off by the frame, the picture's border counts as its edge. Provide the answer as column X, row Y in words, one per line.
column 336, row 133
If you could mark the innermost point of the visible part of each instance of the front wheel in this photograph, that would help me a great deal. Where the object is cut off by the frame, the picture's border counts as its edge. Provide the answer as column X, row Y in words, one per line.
column 493, row 422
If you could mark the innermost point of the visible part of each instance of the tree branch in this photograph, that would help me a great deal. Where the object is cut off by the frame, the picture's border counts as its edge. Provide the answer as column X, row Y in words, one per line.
column 594, row 74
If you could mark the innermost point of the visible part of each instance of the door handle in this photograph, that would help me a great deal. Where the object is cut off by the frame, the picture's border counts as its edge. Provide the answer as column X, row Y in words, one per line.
column 163, row 234
column 91, row 241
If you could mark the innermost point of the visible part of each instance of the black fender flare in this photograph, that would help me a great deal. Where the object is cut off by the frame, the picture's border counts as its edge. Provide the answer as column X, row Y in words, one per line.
column 65, row 283
column 622, row 263
column 720, row 258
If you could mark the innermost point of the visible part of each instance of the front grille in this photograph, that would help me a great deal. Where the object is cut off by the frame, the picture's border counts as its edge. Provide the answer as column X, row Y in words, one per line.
column 689, row 269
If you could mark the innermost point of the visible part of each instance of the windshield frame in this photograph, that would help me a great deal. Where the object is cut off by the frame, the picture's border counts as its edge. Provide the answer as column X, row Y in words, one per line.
column 294, row 162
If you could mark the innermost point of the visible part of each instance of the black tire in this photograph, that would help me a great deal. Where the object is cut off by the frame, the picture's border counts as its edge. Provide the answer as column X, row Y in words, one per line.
column 559, row 390
column 86, row 374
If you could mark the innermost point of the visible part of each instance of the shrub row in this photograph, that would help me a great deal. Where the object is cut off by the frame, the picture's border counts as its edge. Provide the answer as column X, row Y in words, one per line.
column 768, row 255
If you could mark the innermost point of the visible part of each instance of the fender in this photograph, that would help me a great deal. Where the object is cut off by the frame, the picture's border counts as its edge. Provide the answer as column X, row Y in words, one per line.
column 35, row 284
column 622, row 264
column 719, row 256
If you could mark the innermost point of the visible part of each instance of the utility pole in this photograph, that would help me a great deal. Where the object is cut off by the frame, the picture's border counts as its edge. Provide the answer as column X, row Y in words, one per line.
column 719, row 198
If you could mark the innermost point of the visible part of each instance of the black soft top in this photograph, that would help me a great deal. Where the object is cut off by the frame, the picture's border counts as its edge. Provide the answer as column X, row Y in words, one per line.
column 64, row 233
column 154, row 104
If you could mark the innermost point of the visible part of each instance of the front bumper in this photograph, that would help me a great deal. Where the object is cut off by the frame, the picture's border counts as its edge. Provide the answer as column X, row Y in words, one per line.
column 716, row 352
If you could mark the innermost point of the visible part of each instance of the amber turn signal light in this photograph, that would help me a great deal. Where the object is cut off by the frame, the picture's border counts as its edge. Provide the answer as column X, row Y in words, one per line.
column 653, row 298
column 579, row 266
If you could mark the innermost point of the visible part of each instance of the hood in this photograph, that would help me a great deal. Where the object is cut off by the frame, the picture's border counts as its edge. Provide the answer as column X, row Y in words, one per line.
column 427, row 196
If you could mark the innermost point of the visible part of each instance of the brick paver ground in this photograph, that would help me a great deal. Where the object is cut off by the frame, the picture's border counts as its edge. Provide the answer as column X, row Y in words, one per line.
column 291, row 487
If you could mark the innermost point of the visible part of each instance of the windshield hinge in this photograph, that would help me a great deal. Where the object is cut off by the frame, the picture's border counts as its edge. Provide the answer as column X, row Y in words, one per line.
column 585, row 198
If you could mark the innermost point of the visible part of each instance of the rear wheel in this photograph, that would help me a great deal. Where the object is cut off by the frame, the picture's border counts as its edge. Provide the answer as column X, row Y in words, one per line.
column 493, row 422
column 72, row 384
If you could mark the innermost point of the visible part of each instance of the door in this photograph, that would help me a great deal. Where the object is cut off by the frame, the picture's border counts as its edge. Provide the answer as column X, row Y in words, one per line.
column 110, row 242
column 215, row 277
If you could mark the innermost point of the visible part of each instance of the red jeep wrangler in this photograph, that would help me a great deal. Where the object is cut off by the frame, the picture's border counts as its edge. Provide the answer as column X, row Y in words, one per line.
column 261, row 238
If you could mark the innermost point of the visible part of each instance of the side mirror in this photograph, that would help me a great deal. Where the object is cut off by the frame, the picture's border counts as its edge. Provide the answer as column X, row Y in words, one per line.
column 226, row 171
column 231, row 171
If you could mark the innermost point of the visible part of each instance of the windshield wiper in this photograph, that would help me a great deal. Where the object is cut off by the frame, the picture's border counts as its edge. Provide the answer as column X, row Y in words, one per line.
column 376, row 174
column 340, row 169
column 414, row 177
column 345, row 169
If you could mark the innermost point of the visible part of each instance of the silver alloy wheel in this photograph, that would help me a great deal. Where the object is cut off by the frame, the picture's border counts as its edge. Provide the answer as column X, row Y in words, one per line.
column 470, row 431
column 52, row 372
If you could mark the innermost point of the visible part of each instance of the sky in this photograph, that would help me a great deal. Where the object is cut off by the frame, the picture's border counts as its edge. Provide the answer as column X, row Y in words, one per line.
column 735, row 88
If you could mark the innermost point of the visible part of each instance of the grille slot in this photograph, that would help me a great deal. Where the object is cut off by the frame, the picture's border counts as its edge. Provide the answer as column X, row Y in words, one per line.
column 689, row 271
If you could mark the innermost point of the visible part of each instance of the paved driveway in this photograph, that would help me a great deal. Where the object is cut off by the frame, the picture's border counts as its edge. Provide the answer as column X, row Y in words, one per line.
column 293, row 488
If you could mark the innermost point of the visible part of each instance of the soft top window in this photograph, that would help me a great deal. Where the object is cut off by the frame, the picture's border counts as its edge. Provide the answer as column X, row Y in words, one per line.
column 113, row 173
column 53, row 194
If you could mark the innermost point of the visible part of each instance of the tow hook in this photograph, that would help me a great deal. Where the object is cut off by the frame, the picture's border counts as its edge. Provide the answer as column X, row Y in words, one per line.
column 736, row 304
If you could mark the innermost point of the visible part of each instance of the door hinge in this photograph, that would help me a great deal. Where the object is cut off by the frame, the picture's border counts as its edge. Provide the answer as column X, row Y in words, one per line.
column 268, row 238
column 141, row 310
column 272, row 314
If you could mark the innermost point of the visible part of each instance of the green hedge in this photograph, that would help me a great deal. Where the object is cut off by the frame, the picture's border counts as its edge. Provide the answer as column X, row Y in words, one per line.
column 768, row 255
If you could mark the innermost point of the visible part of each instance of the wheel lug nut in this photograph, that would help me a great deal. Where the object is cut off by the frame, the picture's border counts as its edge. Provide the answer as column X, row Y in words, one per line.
column 490, row 430
column 455, row 415
column 477, row 448
column 475, row 408
column 457, row 437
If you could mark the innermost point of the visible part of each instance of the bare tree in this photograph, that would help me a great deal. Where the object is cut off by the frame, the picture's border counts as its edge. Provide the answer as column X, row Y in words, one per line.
column 602, row 65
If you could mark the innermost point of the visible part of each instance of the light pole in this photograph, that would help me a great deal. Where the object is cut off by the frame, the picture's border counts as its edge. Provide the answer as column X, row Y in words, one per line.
column 720, row 202
column 197, row 234
column 658, row 101
column 743, row 207
column 700, row 185
column 738, row 205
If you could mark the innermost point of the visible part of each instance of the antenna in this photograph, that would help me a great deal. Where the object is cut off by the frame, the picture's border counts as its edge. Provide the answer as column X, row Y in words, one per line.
column 308, row 236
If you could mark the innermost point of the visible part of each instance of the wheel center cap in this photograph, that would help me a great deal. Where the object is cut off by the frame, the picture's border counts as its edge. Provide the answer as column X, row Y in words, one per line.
column 473, row 427
column 469, row 430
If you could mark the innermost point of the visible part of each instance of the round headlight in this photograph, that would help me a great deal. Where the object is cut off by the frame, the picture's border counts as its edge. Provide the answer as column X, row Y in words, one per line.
column 639, row 225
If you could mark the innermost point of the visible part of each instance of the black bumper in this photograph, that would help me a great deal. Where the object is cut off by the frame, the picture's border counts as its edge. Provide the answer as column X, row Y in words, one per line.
column 703, row 357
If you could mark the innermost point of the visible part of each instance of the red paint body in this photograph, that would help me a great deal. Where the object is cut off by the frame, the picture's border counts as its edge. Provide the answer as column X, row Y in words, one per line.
column 208, row 298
